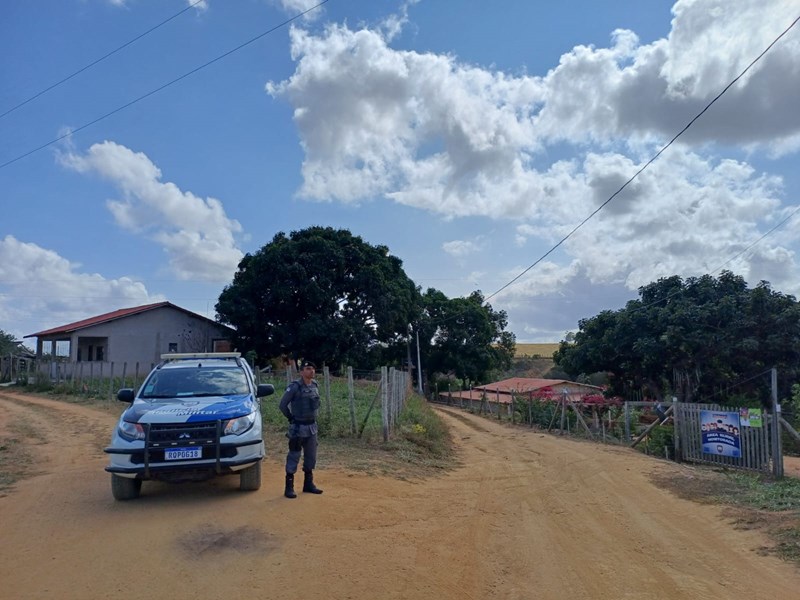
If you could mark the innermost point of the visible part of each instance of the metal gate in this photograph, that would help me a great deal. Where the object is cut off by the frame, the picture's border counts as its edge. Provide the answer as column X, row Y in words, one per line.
column 760, row 447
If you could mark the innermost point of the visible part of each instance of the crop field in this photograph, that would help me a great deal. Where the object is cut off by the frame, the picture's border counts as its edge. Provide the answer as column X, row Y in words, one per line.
column 532, row 350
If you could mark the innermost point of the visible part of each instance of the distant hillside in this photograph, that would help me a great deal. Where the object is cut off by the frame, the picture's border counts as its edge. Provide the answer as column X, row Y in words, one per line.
column 534, row 350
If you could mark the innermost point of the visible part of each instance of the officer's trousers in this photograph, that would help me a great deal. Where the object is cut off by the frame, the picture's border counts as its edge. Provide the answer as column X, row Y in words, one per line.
column 308, row 446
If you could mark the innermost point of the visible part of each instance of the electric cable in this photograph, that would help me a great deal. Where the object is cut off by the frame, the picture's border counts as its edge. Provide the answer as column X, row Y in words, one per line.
column 164, row 86
column 99, row 60
column 734, row 257
column 649, row 162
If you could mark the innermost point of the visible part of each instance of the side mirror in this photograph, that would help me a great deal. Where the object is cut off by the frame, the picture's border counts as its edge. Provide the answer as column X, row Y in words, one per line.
column 265, row 389
column 126, row 395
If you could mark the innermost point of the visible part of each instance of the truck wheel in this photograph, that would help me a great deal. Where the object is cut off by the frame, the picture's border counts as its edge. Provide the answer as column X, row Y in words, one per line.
column 250, row 478
column 124, row 488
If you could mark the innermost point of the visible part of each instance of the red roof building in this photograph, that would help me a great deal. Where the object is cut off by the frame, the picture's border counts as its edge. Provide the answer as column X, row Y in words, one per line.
column 137, row 334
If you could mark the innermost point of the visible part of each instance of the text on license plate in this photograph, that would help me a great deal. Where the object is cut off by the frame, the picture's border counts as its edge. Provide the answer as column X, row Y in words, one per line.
column 182, row 453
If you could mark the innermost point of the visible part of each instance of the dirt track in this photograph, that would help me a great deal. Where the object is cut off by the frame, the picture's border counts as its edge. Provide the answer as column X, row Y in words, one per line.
column 526, row 516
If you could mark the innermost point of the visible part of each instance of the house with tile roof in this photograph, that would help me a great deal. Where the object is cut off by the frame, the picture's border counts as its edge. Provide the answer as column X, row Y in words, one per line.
column 501, row 392
column 138, row 334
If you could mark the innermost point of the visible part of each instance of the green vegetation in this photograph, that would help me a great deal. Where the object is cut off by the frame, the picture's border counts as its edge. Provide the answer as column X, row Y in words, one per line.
column 326, row 295
column 467, row 337
column 319, row 293
column 696, row 338
column 417, row 423
column 756, row 495
column 765, row 493
column 85, row 389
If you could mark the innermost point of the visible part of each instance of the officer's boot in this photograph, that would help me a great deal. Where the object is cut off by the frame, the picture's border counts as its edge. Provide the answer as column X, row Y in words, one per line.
column 289, row 491
column 308, row 482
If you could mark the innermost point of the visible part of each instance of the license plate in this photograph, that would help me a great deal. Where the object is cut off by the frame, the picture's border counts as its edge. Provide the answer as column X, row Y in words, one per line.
column 183, row 453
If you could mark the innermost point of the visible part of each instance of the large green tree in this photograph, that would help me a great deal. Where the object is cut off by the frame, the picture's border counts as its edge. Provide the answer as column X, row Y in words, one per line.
column 319, row 293
column 464, row 336
column 7, row 343
column 695, row 337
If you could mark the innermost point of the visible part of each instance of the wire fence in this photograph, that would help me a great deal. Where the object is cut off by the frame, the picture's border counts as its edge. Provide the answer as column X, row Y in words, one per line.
column 359, row 403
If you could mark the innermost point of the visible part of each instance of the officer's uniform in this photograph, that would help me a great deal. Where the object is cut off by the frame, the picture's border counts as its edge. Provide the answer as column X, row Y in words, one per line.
column 300, row 405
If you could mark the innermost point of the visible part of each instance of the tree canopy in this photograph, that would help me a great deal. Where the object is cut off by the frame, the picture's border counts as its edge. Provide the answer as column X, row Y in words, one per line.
column 319, row 293
column 465, row 336
column 7, row 343
column 693, row 337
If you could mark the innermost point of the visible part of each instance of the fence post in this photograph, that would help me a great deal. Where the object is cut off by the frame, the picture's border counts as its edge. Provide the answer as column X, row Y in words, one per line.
column 676, row 436
column 111, row 383
column 777, row 446
column 384, row 403
column 327, row 376
column 352, row 399
column 627, row 422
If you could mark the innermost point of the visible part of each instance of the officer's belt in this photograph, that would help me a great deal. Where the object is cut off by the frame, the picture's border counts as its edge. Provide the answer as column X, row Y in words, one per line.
column 299, row 422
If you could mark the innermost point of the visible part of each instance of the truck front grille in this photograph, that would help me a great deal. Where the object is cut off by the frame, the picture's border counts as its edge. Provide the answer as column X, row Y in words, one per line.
column 165, row 435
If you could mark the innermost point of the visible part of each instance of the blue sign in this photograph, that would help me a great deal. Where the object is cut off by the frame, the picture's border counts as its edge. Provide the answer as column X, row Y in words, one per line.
column 720, row 433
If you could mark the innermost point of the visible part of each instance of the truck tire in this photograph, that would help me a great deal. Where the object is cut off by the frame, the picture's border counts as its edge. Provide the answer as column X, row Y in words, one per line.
column 124, row 488
column 250, row 478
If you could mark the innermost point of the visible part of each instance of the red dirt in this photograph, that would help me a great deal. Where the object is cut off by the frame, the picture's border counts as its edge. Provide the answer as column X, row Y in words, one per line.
column 527, row 515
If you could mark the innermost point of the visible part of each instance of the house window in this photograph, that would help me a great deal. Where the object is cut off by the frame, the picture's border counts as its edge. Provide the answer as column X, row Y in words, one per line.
column 99, row 354
column 79, row 355
column 173, row 347
column 91, row 354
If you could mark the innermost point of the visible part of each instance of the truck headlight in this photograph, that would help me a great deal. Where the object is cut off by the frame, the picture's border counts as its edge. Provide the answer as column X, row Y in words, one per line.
column 239, row 425
column 131, row 431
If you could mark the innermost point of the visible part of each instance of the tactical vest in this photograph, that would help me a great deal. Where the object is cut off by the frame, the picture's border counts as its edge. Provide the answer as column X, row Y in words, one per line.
column 305, row 402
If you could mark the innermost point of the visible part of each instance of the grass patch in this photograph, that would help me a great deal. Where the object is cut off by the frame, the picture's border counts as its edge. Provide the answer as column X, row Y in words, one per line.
column 13, row 459
column 752, row 502
column 418, row 443
column 16, row 460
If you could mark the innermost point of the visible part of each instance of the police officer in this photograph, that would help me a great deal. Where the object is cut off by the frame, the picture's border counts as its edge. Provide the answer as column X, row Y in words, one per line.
column 299, row 405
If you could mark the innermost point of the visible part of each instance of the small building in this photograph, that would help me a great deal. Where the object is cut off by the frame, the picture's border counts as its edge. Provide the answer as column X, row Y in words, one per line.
column 135, row 335
column 501, row 392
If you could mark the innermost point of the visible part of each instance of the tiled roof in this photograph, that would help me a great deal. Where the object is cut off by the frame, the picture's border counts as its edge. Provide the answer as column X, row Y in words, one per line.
column 111, row 316
column 528, row 384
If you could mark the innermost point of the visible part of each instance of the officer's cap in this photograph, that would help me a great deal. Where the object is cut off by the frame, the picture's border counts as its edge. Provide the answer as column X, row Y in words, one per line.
column 308, row 363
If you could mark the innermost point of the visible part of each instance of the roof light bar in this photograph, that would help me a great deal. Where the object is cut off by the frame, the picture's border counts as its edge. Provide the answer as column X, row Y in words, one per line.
column 195, row 355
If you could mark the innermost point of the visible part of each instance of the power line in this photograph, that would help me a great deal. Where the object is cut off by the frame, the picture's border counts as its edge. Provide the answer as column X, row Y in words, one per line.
column 99, row 60
column 722, row 266
column 648, row 163
column 162, row 87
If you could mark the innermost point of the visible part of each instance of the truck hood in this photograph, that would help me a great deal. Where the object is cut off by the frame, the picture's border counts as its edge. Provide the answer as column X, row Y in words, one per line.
column 189, row 410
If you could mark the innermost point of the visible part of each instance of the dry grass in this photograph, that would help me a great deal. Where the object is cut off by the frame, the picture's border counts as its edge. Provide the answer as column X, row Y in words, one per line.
column 751, row 502
column 531, row 350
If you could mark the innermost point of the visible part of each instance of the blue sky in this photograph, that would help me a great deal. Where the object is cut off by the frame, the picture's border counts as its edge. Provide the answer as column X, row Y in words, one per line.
column 468, row 137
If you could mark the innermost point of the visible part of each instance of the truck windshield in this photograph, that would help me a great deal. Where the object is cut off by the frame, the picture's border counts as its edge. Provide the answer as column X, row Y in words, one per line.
column 195, row 382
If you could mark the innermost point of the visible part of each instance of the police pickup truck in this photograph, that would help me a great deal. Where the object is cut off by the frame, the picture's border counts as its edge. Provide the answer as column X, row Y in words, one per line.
column 196, row 416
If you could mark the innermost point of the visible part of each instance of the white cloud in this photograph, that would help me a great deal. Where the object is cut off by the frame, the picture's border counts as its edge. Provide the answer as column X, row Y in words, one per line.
column 42, row 289
column 196, row 234
column 461, row 248
column 295, row 7
column 428, row 131
column 458, row 140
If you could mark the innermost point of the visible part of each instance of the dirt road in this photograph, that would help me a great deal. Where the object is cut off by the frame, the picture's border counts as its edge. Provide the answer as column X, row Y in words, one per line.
column 526, row 516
